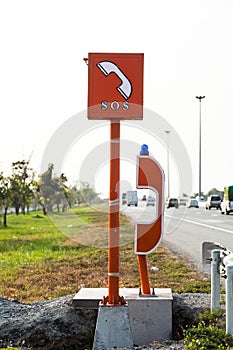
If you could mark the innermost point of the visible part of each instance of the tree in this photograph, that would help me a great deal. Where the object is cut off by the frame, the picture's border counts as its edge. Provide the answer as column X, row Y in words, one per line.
column 74, row 196
column 45, row 188
column 88, row 194
column 53, row 190
column 215, row 191
column 5, row 196
column 22, row 182
column 63, row 191
column 195, row 195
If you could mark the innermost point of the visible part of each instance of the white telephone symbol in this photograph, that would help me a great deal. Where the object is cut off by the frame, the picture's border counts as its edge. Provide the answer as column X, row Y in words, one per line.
column 125, row 88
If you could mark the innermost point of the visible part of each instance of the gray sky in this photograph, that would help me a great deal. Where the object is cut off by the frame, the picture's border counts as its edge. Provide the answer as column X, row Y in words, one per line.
column 188, row 52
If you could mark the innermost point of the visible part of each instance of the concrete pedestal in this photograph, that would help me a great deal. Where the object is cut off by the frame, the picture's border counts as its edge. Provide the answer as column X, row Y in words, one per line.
column 150, row 317
column 112, row 328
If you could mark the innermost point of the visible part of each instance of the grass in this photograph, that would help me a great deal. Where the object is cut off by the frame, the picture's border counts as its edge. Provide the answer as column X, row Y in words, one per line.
column 209, row 333
column 43, row 257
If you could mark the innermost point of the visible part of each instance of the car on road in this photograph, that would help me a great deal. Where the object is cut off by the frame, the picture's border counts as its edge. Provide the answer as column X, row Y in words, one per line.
column 227, row 203
column 192, row 203
column 182, row 201
column 213, row 201
column 226, row 207
column 150, row 201
column 172, row 202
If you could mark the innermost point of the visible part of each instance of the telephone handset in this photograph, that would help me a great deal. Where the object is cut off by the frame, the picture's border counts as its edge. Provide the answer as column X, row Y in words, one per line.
column 125, row 88
column 150, row 175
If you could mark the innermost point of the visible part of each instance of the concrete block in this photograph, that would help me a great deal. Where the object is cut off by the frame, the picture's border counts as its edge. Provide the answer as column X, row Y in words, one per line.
column 112, row 328
column 89, row 297
column 150, row 319
column 150, row 316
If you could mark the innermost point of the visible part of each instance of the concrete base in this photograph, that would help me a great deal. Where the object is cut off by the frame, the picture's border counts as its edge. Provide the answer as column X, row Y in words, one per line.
column 150, row 316
column 112, row 328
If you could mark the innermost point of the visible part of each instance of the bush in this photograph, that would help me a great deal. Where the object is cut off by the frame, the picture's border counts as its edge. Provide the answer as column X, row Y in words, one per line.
column 208, row 335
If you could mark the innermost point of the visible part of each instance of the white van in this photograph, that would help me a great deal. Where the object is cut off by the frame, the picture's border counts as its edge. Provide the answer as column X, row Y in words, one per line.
column 227, row 203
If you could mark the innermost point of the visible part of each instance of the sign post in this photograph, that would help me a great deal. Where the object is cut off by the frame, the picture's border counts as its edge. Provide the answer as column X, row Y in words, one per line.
column 115, row 92
column 114, row 216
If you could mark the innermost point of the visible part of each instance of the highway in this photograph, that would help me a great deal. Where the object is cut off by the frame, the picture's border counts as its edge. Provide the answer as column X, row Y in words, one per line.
column 186, row 228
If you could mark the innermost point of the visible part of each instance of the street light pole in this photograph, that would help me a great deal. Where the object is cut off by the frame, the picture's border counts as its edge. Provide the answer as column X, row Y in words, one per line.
column 200, row 98
column 168, row 175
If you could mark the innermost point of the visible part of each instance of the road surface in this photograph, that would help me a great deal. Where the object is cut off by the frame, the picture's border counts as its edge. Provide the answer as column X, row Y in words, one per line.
column 185, row 229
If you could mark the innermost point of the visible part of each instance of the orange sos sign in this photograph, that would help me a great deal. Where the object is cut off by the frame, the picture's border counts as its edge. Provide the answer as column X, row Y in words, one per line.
column 115, row 85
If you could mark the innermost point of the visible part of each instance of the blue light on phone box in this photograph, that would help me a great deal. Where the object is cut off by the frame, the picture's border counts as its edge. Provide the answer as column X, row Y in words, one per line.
column 144, row 150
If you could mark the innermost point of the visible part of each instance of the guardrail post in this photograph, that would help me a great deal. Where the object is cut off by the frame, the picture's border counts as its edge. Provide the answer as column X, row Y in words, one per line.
column 229, row 299
column 215, row 279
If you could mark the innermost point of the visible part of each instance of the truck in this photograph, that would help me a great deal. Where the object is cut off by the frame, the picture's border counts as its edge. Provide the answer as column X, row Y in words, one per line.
column 132, row 198
column 227, row 202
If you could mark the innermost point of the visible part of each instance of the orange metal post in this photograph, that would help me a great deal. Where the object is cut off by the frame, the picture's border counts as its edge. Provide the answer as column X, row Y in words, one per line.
column 144, row 274
column 114, row 216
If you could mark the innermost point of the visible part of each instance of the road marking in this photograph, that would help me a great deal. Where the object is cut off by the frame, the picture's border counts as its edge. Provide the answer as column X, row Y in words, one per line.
column 200, row 224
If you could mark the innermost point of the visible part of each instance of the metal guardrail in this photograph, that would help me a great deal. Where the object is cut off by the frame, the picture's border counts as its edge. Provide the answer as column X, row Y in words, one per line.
column 218, row 260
